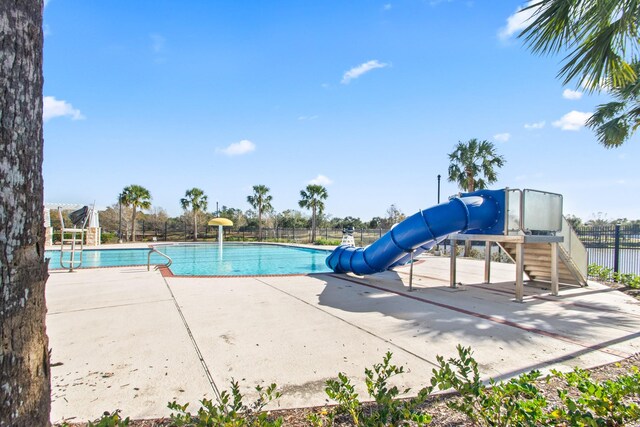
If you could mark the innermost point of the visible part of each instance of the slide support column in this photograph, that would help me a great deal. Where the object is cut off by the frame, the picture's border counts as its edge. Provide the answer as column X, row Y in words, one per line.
column 487, row 262
column 519, row 271
column 452, row 269
column 411, row 273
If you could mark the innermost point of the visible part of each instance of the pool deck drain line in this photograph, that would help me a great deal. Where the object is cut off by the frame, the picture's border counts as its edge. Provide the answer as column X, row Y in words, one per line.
column 212, row 383
column 385, row 340
column 594, row 347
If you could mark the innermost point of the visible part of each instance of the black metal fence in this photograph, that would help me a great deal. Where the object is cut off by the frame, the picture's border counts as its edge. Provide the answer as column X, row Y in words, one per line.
column 616, row 246
column 178, row 231
column 613, row 246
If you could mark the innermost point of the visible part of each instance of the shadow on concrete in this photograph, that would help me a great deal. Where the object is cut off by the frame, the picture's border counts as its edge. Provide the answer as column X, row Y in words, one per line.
column 436, row 310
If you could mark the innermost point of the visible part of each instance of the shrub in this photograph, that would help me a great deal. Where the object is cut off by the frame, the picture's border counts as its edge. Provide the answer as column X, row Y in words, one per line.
column 229, row 411
column 327, row 242
column 605, row 274
column 597, row 404
column 108, row 237
column 388, row 409
column 517, row 402
column 108, row 419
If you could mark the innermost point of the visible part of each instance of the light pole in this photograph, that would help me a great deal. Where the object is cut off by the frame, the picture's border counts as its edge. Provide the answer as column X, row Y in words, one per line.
column 120, row 217
column 217, row 210
column 438, row 245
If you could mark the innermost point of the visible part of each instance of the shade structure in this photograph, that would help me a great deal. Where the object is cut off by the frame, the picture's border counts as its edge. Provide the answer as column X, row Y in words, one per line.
column 220, row 221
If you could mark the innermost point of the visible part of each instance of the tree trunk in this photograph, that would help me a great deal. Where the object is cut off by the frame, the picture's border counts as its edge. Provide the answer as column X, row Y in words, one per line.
column 133, row 224
column 313, row 225
column 25, row 385
column 470, row 189
column 259, row 225
column 195, row 225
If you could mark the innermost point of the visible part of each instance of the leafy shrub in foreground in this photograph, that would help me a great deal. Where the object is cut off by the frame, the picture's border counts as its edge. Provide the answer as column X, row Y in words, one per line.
column 388, row 409
column 597, row 403
column 108, row 419
column 515, row 403
column 229, row 411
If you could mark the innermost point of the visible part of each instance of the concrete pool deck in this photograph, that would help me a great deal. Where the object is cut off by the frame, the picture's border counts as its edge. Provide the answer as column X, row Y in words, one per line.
column 129, row 339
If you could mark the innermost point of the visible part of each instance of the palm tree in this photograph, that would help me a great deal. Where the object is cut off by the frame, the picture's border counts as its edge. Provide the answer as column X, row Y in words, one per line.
column 615, row 122
column 260, row 201
column 197, row 200
column 472, row 165
column 601, row 36
column 312, row 198
column 137, row 197
column 603, row 44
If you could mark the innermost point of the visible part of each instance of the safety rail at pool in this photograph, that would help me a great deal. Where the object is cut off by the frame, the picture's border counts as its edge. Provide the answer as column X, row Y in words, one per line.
column 152, row 250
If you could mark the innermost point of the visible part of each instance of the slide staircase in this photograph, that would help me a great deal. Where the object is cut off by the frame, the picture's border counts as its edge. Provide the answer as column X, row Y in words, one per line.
column 572, row 257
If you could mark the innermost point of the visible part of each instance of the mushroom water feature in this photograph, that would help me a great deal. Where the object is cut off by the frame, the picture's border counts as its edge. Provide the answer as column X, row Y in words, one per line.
column 220, row 222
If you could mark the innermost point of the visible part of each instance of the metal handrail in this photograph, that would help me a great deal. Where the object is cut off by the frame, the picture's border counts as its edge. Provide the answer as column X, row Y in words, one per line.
column 575, row 250
column 152, row 250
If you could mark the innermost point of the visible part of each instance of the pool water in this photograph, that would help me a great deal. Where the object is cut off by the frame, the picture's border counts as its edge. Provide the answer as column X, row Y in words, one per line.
column 210, row 260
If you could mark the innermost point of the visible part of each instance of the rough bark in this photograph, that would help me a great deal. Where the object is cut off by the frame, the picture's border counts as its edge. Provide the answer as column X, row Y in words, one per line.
column 313, row 224
column 195, row 225
column 24, row 357
column 133, row 224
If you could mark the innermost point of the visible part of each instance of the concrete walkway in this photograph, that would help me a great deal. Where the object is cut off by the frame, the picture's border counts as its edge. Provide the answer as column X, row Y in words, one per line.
column 125, row 338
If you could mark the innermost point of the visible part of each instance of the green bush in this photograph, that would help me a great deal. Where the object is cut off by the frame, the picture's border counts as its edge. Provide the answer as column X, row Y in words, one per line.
column 598, row 272
column 597, row 404
column 107, row 237
column 108, row 419
column 605, row 274
column 327, row 242
column 515, row 403
column 388, row 409
column 229, row 411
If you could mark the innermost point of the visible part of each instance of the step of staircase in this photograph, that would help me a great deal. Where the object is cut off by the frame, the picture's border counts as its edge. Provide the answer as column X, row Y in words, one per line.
column 537, row 263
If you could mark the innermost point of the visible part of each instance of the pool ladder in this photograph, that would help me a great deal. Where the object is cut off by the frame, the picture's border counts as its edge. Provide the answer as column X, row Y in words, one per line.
column 152, row 250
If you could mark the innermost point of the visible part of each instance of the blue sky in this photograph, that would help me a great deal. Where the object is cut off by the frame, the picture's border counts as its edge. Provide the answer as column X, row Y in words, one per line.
column 366, row 98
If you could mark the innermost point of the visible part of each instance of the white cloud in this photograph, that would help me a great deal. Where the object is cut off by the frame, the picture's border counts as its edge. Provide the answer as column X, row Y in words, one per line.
column 157, row 42
column 502, row 137
column 517, row 22
column 573, row 120
column 303, row 118
column 536, row 125
column 238, row 148
column 571, row 94
column 356, row 72
column 321, row 180
column 52, row 107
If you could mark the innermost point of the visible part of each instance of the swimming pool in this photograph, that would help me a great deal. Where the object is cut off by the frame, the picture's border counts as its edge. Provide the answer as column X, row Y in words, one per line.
column 202, row 259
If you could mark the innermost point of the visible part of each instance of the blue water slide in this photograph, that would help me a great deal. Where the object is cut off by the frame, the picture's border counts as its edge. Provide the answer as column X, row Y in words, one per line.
column 480, row 212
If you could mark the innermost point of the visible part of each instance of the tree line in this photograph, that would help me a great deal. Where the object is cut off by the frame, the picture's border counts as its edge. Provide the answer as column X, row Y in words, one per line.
column 473, row 165
column 134, row 200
